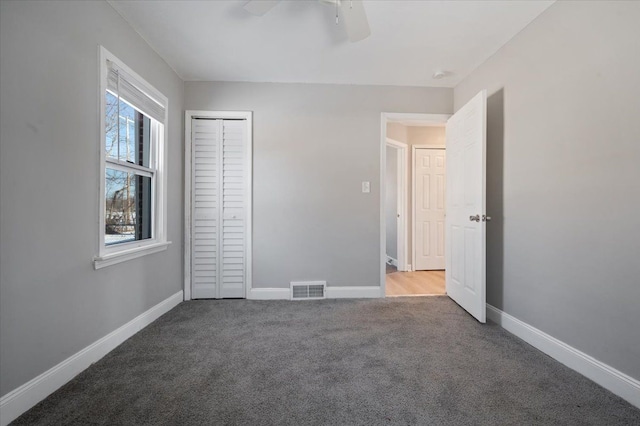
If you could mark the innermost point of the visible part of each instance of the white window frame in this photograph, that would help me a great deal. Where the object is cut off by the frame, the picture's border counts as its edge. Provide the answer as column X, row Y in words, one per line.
column 113, row 254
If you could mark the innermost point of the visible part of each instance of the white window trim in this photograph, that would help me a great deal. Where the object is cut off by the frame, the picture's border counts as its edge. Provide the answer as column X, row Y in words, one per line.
column 126, row 251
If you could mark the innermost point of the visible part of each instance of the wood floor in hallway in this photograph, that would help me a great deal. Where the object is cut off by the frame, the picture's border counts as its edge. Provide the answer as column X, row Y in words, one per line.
column 416, row 283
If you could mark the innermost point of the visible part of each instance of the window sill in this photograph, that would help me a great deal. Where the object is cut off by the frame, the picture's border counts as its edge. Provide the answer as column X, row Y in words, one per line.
column 124, row 255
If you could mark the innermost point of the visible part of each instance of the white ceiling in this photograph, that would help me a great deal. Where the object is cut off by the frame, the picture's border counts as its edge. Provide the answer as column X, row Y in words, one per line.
column 299, row 41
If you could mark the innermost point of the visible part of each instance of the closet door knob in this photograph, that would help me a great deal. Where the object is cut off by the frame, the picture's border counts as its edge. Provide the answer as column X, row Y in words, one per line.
column 475, row 218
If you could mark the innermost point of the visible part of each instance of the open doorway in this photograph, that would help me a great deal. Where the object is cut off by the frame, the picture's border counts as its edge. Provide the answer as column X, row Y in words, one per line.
column 413, row 198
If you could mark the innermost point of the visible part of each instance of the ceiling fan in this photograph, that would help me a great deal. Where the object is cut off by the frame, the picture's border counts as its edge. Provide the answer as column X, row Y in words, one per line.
column 351, row 11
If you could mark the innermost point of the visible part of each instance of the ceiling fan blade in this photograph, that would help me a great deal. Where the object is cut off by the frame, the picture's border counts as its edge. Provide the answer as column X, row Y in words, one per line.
column 260, row 7
column 355, row 19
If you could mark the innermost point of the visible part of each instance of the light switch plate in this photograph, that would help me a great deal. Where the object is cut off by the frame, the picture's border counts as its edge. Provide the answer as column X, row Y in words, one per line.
column 366, row 187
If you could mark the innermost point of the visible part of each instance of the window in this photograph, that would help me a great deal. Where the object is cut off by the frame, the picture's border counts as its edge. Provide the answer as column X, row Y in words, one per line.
column 132, row 187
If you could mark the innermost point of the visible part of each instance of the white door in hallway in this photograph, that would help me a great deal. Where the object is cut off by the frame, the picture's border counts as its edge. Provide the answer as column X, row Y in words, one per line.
column 466, row 202
column 429, row 172
column 219, row 199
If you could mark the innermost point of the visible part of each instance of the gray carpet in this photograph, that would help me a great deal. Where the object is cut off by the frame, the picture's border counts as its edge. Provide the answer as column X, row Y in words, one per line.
column 400, row 361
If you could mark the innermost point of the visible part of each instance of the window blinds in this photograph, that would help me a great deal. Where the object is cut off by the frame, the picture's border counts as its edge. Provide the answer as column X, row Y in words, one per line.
column 128, row 88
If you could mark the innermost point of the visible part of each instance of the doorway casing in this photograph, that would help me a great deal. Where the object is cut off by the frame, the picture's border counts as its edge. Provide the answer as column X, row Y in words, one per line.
column 385, row 117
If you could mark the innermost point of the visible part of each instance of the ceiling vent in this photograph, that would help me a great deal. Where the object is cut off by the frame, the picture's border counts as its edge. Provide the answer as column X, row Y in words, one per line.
column 308, row 290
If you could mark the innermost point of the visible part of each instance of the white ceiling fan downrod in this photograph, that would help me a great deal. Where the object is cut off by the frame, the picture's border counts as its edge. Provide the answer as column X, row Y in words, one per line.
column 337, row 4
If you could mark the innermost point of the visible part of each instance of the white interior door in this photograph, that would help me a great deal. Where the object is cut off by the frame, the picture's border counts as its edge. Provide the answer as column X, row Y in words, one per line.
column 429, row 167
column 466, row 200
column 219, row 208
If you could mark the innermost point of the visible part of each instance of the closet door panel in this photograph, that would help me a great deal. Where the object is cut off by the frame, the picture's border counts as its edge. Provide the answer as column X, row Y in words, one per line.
column 233, row 202
column 206, row 140
column 220, row 191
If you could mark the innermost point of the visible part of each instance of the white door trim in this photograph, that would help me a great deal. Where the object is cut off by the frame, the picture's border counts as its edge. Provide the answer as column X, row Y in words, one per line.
column 435, row 119
column 416, row 118
column 403, row 188
column 413, row 196
column 188, row 116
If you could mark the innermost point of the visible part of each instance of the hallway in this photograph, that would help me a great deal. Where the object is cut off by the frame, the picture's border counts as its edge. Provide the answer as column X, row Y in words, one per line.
column 418, row 283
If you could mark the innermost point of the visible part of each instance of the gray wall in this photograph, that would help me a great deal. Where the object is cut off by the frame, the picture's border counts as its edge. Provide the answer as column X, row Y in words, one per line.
column 391, row 202
column 52, row 302
column 426, row 135
column 313, row 147
column 397, row 132
column 563, row 160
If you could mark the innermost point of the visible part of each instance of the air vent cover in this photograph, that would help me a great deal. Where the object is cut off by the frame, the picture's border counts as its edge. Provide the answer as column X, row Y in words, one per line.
column 308, row 290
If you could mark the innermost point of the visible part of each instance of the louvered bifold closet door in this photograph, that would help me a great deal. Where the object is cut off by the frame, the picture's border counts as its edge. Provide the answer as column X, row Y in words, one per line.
column 205, row 193
column 234, row 193
column 219, row 201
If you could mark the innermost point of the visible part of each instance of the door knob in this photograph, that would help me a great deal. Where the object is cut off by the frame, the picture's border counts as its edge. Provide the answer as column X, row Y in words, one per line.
column 486, row 218
column 475, row 218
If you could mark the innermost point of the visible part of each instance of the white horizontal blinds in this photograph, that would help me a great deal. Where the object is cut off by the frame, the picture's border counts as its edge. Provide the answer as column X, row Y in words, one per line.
column 234, row 193
column 206, row 142
column 127, row 87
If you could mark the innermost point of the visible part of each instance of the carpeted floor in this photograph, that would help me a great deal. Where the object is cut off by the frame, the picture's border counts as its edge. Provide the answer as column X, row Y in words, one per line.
column 406, row 361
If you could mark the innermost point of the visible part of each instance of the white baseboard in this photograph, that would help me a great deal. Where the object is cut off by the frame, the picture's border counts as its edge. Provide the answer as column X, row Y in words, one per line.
column 392, row 261
column 16, row 402
column 408, row 269
column 355, row 292
column 606, row 376
column 270, row 294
